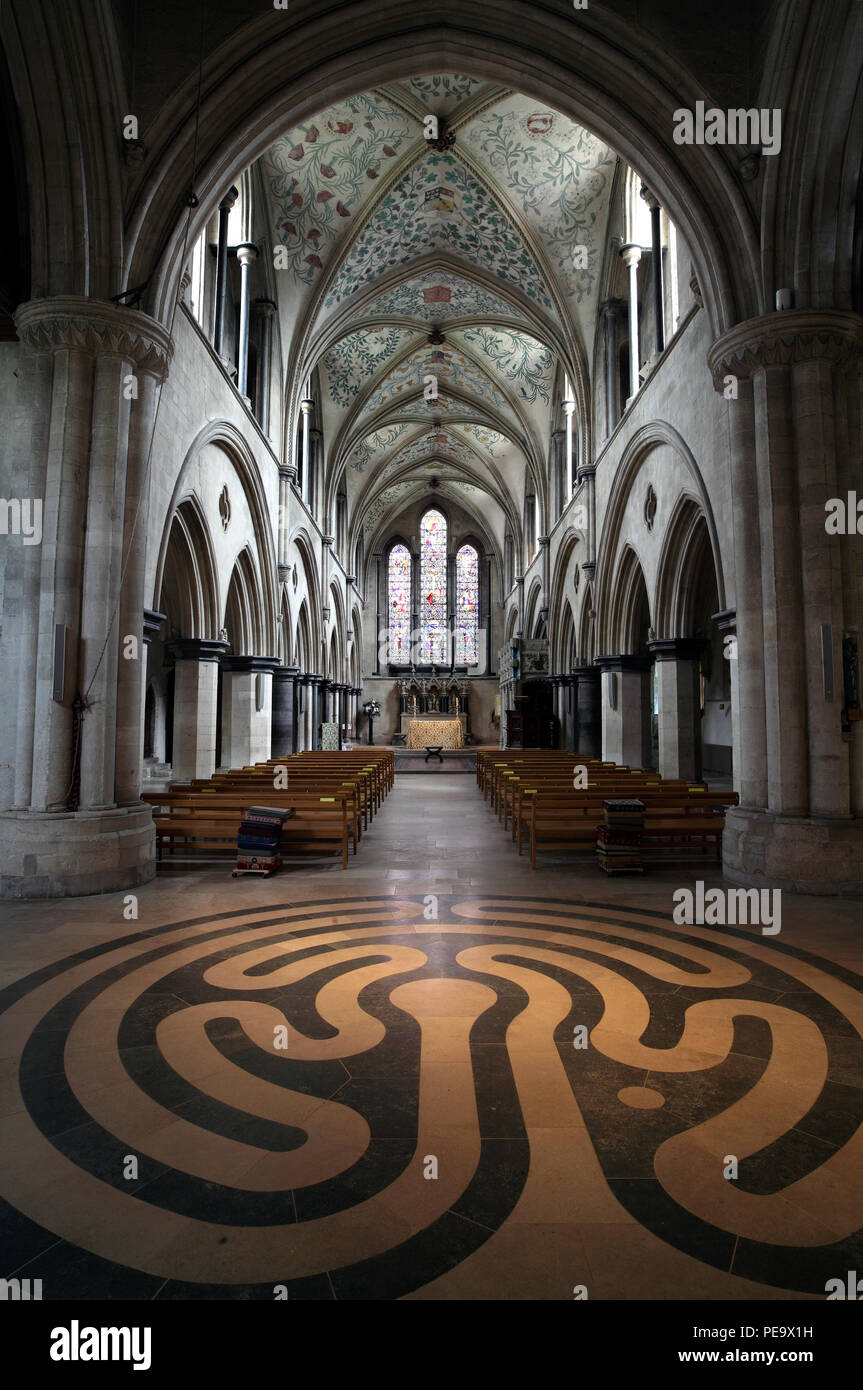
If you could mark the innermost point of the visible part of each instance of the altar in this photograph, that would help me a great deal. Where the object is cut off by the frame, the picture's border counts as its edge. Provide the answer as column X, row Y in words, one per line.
column 433, row 730
column 434, row 709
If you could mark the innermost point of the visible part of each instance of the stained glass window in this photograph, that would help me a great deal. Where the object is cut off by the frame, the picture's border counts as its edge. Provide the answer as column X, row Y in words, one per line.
column 399, row 603
column 466, row 606
column 433, row 634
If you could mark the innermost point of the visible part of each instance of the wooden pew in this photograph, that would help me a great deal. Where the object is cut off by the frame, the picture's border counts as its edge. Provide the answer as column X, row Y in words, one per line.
column 202, row 820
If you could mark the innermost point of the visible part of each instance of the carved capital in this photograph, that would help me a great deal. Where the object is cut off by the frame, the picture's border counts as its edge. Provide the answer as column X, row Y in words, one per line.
column 781, row 339
column 97, row 327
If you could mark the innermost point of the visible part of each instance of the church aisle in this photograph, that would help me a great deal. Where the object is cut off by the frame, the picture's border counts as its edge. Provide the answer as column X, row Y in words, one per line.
column 437, row 1076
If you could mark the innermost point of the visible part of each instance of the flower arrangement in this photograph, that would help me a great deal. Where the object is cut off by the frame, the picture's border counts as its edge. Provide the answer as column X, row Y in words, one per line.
column 371, row 709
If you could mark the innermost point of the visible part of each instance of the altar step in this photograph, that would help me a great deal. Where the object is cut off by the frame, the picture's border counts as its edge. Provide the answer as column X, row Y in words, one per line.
column 454, row 760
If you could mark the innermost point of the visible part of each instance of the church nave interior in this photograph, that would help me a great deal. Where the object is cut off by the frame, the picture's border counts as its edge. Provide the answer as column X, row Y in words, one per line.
column 405, row 430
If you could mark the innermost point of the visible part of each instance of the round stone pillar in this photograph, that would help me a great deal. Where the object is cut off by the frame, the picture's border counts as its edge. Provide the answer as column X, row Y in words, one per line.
column 85, row 403
column 284, row 735
column 588, row 710
column 784, row 375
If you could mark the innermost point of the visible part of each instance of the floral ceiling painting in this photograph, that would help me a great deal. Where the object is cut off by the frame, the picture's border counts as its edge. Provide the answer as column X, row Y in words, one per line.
column 443, row 92
column 456, row 261
column 349, row 364
column 440, row 296
column 556, row 173
column 373, row 446
column 439, row 206
column 523, row 361
column 322, row 173
column 441, row 362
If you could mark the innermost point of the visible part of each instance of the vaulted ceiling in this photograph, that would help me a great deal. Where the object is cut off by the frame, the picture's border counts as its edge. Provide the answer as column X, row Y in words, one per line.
column 407, row 257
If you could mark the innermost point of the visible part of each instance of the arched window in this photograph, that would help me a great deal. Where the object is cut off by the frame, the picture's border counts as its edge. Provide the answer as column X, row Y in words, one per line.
column 433, row 634
column 399, row 604
column 466, row 606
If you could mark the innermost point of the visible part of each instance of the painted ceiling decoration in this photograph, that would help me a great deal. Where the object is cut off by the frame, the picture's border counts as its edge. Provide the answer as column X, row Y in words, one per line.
column 321, row 174
column 523, row 360
column 439, row 206
column 447, row 364
column 348, row 366
column 443, row 92
column 490, row 441
column 556, row 173
column 421, row 407
column 438, row 296
column 434, row 442
column 373, row 445
column 473, row 244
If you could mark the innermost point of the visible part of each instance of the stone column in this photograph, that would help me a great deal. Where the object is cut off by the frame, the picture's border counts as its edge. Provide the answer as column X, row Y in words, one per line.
column 376, row 556
column 247, row 254
column 266, row 310
column 587, row 475
column 558, row 705
column 196, row 678
column 588, row 710
column 558, row 462
column 827, row 753
column 315, row 475
column 570, row 681
column 222, row 270
column 132, row 674
column 246, row 728
column 83, row 402
column 315, row 682
column 569, row 411
column 611, row 311
column 305, row 715
column 306, row 408
column 656, row 269
column 488, row 612
column 679, row 716
column 631, row 255
column 152, row 623
column 287, row 475
column 623, row 709
column 782, row 373
column 284, row 731
column 726, row 622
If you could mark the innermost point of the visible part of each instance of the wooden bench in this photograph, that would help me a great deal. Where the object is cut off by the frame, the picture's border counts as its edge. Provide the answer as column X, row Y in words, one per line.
column 206, row 821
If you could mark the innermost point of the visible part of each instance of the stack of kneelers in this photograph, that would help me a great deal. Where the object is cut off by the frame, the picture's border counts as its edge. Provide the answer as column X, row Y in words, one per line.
column 258, row 840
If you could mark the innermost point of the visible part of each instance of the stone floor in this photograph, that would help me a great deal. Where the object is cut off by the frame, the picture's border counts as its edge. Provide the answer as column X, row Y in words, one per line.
column 370, row 1083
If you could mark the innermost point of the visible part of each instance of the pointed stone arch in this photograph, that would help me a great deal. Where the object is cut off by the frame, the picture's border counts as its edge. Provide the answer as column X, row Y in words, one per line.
column 188, row 591
column 243, row 615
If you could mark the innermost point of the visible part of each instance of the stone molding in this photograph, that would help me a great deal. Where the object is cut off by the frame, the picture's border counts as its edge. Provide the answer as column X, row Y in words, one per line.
column 97, row 327
column 586, row 673
column 726, row 621
column 196, row 649
column 243, row 664
column 153, row 620
column 677, row 648
column 783, row 338
column 623, row 662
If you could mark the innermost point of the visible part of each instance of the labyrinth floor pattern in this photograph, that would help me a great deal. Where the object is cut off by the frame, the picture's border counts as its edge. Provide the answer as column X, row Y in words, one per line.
column 410, row 1037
